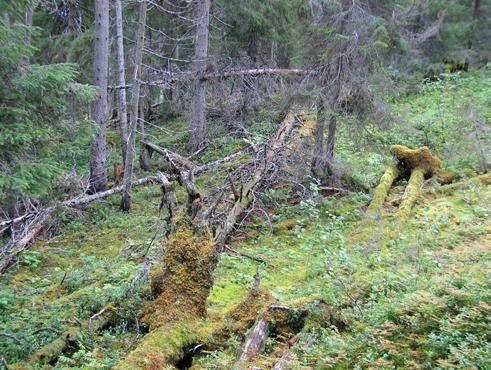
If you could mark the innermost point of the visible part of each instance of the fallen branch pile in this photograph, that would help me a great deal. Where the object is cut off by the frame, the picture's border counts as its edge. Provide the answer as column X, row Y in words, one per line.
column 200, row 230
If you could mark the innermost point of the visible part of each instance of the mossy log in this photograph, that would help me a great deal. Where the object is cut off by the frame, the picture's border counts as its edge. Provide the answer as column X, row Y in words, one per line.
column 474, row 181
column 165, row 345
column 183, row 284
column 383, row 187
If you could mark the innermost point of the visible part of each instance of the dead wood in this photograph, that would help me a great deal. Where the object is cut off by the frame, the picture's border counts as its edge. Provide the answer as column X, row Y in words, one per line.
column 168, row 199
column 191, row 76
column 254, row 343
column 10, row 336
column 235, row 251
column 265, row 165
column 255, row 340
column 182, row 283
column 175, row 160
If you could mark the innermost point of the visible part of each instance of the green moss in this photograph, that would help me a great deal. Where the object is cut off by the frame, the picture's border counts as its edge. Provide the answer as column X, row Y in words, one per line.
column 383, row 187
column 412, row 192
column 164, row 346
column 182, row 288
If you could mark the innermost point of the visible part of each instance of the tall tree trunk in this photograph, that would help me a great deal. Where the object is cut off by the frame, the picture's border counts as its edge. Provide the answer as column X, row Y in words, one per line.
column 475, row 17
column 98, row 173
column 331, row 139
column 135, row 97
column 123, row 118
column 197, row 135
column 27, row 36
column 144, row 152
column 475, row 9
column 318, row 165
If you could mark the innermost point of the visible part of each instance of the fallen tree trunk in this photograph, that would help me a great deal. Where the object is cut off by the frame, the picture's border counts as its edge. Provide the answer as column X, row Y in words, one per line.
column 182, row 285
column 382, row 189
column 176, row 159
column 245, row 197
column 190, row 76
column 36, row 223
column 413, row 189
column 13, row 248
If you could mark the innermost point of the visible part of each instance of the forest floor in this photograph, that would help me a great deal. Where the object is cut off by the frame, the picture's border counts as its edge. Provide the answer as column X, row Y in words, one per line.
column 380, row 293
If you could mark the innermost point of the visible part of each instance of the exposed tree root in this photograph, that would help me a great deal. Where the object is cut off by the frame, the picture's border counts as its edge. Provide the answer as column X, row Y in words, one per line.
column 383, row 187
column 417, row 164
column 412, row 192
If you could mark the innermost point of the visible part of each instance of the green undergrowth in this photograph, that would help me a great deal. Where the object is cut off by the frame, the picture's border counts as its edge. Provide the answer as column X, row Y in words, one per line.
column 404, row 294
column 72, row 276
column 417, row 291
column 451, row 116
column 414, row 294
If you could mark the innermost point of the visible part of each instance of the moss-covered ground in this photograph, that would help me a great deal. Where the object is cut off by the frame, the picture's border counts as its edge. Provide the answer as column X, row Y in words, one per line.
column 401, row 293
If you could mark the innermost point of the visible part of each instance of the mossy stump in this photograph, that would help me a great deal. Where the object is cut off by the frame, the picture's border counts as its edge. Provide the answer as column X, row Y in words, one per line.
column 415, row 164
column 183, row 285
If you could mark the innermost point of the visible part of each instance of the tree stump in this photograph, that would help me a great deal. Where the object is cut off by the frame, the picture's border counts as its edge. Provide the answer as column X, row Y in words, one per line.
column 415, row 164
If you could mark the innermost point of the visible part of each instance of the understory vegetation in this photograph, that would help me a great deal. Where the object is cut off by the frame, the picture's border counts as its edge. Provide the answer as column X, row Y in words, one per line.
column 380, row 292
column 245, row 184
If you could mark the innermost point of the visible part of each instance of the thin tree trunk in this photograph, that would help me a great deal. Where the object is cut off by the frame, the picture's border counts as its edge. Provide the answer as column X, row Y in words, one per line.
column 197, row 135
column 331, row 139
column 318, row 165
column 123, row 118
column 27, row 36
column 135, row 97
column 475, row 17
column 144, row 152
column 98, row 173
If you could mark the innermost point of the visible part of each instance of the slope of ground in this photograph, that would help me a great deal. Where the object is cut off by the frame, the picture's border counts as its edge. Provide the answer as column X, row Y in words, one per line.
column 394, row 294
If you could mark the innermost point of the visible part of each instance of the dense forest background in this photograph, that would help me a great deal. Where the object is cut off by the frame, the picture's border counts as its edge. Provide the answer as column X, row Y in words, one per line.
column 114, row 99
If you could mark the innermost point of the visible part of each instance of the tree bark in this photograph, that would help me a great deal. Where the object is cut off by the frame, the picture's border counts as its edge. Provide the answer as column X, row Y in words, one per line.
column 145, row 163
column 255, row 340
column 27, row 36
column 98, row 173
column 318, row 166
column 135, row 97
column 475, row 16
column 475, row 10
column 331, row 140
column 123, row 118
column 197, row 134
